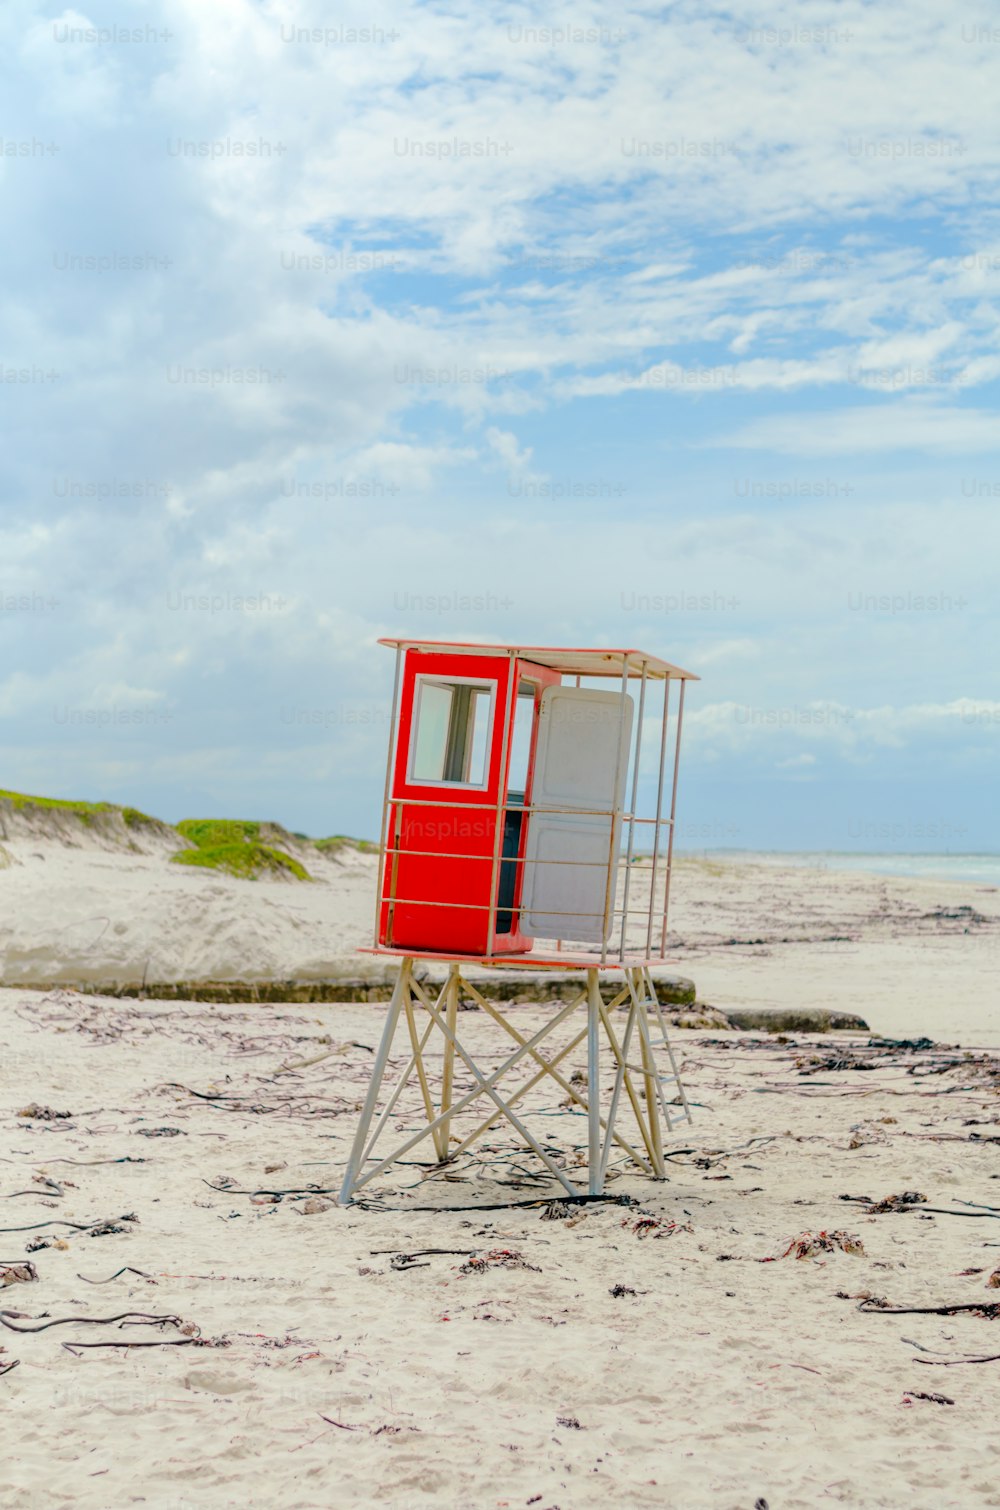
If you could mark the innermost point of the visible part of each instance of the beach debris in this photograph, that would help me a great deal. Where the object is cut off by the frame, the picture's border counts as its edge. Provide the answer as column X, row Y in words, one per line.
column 124, row 1318
column 642, row 1226
column 651, row 1226
column 73, row 1347
column 19, row 1272
column 93, row 1229
column 901, row 1202
column 989, row 1310
column 964, row 915
column 619, row 1291
column 273, row 1168
column 807, row 1244
column 569, row 1422
column 402, row 1261
column 913, row 1045
column 497, row 1258
column 43, row 1113
column 294, row 1103
column 952, row 1362
column 6, row 1368
column 817, row 1065
column 125, row 1269
column 993, row 1283
column 910, row 1200
column 161, row 1132
column 563, row 1211
column 920, row 1394
column 50, row 1188
column 313, row 1206
column 112, row 1227
column 292, row 1065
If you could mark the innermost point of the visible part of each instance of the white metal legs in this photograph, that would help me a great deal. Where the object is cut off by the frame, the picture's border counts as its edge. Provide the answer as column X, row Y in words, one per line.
column 435, row 1012
column 400, row 991
column 593, row 1083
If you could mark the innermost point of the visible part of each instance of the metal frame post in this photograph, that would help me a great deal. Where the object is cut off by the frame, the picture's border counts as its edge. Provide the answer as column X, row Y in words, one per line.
column 595, row 1171
column 631, row 810
column 612, row 880
column 400, row 991
column 659, row 814
column 673, row 817
column 448, row 1070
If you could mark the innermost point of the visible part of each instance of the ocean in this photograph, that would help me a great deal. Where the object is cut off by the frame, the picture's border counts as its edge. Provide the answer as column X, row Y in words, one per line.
column 984, row 869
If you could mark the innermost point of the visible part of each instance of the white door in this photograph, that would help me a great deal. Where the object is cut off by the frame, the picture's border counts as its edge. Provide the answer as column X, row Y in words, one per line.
column 583, row 737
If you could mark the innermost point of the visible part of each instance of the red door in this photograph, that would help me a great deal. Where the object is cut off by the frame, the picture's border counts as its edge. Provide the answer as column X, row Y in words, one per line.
column 448, row 804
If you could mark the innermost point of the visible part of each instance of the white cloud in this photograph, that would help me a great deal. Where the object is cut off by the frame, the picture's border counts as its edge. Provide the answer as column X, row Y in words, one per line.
column 516, row 459
column 887, row 425
column 729, row 650
column 695, row 209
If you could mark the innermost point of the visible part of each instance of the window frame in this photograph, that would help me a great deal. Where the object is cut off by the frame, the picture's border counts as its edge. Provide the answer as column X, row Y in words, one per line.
column 486, row 683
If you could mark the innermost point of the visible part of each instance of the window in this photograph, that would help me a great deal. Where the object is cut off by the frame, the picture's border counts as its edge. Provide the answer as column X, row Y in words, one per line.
column 520, row 740
column 451, row 737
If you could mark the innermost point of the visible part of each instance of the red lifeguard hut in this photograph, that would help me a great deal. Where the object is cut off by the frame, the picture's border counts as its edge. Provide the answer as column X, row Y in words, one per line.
column 514, row 836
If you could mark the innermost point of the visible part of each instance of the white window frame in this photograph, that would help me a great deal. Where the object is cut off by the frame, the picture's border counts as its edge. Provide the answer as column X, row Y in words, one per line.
column 421, row 679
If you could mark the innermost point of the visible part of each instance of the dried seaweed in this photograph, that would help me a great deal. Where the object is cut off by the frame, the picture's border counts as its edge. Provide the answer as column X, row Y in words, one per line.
column 124, row 1318
column 97, row 1228
column 989, row 1310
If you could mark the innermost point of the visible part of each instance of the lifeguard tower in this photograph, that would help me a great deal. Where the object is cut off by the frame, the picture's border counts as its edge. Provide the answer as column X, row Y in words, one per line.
column 528, row 823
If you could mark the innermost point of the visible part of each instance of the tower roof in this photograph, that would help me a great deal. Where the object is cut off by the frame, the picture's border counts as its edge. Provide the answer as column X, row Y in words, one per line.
column 569, row 661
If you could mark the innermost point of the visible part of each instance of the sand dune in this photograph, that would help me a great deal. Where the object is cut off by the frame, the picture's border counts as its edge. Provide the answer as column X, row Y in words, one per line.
column 106, row 910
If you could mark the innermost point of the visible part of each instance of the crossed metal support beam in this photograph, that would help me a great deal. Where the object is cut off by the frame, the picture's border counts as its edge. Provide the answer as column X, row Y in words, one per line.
column 424, row 1012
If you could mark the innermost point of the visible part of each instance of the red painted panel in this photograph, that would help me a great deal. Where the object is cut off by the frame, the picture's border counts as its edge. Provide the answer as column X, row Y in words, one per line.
column 441, row 839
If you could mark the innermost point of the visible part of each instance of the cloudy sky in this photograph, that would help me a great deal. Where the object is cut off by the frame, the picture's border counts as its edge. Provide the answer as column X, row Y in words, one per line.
column 670, row 326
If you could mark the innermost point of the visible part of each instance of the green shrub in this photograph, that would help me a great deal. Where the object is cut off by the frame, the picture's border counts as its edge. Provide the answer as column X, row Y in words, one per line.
column 233, row 845
column 331, row 845
column 85, row 811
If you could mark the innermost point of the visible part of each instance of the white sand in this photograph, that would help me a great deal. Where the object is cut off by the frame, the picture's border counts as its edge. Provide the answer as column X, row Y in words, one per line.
column 106, row 918
column 94, row 917
column 717, row 1384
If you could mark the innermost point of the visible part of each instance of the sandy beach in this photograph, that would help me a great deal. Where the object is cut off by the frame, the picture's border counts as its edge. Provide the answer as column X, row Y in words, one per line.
column 499, row 837
column 911, row 956
column 664, row 1346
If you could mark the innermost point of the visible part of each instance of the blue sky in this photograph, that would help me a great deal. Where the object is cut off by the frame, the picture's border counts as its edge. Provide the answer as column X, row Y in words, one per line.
column 639, row 325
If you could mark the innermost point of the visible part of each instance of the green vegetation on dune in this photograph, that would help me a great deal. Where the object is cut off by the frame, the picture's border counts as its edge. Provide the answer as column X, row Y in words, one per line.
column 344, row 841
column 85, row 811
column 212, row 833
column 234, row 845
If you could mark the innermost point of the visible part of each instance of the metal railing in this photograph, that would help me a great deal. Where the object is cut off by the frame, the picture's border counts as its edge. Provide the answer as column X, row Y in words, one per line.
column 647, row 919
